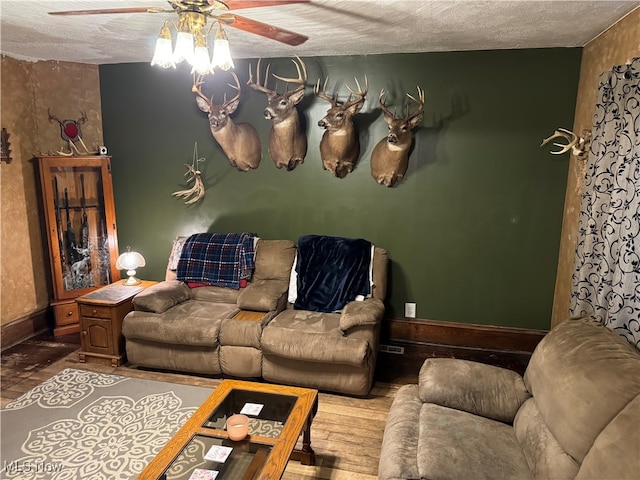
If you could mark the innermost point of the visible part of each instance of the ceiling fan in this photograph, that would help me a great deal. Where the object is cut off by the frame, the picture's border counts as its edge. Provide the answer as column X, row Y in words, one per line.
column 197, row 12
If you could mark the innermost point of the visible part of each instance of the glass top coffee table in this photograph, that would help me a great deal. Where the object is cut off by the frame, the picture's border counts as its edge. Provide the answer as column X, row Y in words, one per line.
column 201, row 449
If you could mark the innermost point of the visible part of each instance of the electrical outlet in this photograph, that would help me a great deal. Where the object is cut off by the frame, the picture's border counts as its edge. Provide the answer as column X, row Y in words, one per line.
column 410, row 310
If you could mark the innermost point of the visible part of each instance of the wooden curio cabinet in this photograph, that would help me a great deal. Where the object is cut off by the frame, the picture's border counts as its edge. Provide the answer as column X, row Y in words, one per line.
column 80, row 219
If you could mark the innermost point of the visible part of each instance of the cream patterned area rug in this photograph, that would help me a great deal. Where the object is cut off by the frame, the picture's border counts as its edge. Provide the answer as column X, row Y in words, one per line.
column 81, row 425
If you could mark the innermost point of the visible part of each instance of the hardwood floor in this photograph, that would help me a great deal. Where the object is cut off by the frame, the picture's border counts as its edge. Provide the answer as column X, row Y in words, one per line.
column 346, row 433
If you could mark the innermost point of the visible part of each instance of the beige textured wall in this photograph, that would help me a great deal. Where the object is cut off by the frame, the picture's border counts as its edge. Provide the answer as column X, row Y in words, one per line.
column 27, row 90
column 617, row 46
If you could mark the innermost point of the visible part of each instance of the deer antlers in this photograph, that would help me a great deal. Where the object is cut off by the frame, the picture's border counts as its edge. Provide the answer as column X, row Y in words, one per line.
column 71, row 133
column 262, row 87
column 195, row 193
column 359, row 94
column 419, row 101
column 577, row 145
column 198, row 81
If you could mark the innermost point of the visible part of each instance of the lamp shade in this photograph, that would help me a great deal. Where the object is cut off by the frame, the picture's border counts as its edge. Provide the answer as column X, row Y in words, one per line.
column 163, row 55
column 201, row 62
column 130, row 261
column 184, row 47
column 221, row 52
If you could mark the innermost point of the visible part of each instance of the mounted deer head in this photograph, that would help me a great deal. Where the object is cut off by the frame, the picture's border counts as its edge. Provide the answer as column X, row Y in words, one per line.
column 340, row 145
column 287, row 140
column 390, row 157
column 240, row 142
column 578, row 145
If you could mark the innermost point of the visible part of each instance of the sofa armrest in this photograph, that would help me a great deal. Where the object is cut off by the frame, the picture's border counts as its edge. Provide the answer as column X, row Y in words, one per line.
column 357, row 313
column 162, row 296
column 477, row 388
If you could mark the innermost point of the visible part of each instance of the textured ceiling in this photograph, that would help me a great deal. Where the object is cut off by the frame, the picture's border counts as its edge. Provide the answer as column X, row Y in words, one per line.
column 334, row 27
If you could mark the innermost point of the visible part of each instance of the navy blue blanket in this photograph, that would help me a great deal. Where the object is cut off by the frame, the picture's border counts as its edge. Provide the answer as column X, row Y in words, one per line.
column 331, row 272
column 221, row 259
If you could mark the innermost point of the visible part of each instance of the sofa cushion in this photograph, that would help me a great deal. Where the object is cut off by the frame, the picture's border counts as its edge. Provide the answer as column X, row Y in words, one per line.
column 312, row 336
column 161, row 297
column 358, row 313
column 262, row 295
column 274, row 259
column 582, row 375
column 172, row 329
column 454, row 445
column 215, row 294
column 477, row 388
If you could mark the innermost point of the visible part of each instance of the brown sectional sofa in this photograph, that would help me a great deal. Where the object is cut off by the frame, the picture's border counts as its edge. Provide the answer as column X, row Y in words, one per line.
column 574, row 415
column 174, row 327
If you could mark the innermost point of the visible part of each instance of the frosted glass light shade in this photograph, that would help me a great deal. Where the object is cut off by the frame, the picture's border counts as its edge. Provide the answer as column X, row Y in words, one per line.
column 201, row 62
column 184, row 47
column 221, row 52
column 130, row 261
column 163, row 55
column 222, row 55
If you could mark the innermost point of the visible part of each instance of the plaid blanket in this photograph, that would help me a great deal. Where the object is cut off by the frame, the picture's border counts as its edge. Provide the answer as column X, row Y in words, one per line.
column 221, row 259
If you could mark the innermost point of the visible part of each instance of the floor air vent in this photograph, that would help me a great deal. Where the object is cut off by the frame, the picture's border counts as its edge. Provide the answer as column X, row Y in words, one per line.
column 391, row 349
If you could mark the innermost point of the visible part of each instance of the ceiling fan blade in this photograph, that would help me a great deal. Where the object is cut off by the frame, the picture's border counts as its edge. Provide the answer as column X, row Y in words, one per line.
column 112, row 10
column 268, row 31
column 240, row 4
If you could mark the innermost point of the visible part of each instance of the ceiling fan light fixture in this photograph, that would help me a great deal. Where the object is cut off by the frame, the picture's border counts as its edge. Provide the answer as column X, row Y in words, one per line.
column 221, row 52
column 163, row 54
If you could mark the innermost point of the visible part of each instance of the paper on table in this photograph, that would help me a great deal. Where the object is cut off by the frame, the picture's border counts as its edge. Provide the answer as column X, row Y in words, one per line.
column 251, row 409
column 203, row 474
column 218, row 453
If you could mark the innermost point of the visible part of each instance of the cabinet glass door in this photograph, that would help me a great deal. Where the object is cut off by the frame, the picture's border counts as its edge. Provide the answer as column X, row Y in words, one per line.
column 81, row 220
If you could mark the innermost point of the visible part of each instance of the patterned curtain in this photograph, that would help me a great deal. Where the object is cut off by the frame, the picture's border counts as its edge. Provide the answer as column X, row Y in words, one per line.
column 606, row 280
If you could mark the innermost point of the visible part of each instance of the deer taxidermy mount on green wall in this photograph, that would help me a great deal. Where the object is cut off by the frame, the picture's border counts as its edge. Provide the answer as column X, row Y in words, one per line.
column 240, row 142
column 340, row 145
column 390, row 157
column 287, row 139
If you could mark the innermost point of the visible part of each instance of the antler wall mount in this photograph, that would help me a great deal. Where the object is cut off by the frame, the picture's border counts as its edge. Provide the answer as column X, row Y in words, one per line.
column 579, row 146
column 193, row 174
column 71, row 133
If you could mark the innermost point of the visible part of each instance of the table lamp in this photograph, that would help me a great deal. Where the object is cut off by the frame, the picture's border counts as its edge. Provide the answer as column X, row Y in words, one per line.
column 129, row 261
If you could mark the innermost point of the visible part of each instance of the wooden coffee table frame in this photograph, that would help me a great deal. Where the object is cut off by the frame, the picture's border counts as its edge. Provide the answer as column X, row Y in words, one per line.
column 282, row 448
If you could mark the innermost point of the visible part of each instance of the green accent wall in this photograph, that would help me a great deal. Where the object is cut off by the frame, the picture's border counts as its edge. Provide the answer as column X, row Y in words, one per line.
column 473, row 229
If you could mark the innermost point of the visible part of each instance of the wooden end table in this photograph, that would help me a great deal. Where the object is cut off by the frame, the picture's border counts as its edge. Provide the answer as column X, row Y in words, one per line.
column 283, row 414
column 101, row 314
